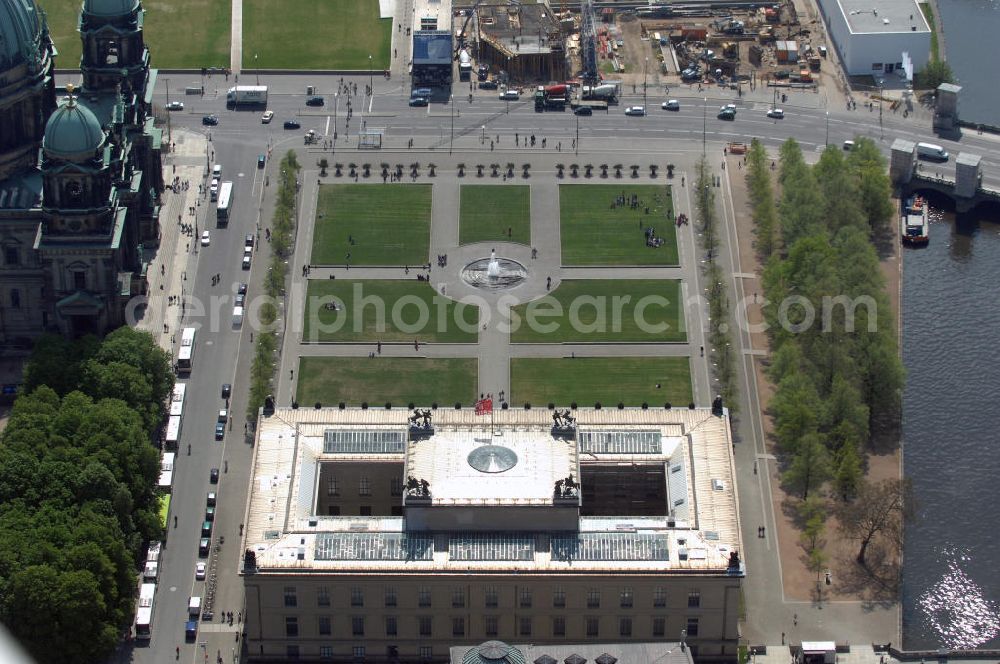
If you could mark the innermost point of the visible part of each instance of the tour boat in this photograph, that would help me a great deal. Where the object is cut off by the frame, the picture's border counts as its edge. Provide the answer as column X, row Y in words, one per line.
column 914, row 223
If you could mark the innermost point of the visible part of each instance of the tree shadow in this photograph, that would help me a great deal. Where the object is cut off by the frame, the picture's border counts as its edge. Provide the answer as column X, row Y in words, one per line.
column 878, row 581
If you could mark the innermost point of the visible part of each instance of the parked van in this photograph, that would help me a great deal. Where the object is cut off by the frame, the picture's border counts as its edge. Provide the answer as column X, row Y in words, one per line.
column 194, row 606
column 237, row 316
column 931, row 152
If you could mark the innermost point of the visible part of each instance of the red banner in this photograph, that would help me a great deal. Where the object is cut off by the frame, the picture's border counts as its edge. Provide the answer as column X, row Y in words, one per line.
column 484, row 406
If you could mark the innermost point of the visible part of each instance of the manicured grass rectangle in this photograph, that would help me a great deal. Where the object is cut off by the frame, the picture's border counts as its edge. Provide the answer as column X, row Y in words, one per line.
column 608, row 380
column 395, row 380
column 316, row 34
column 375, row 224
column 411, row 310
column 612, row 310
column 490, row 211
column 596, row 232
column 180, row 34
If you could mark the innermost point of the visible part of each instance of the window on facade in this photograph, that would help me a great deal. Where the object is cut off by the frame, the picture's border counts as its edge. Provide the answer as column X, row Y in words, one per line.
column 358, row 652
column 333, row 510
column 491, row 597
column 558, row 598
column 292, row 652
column 324, row 625
column 525, row 598
column 625, row 626
column 425, row 625
column 396, row 486
column 290, row 598
column 424, row 597
column 291, row 626
column 426, row 652
column 593, row 626
column 326, row 652
column 694, row 599
column 80, row 280
column 458, row 626
column 331, row 487
column 659, row 598
column 323, row 596
column 524, row 626
column 626, row 598
column 357, row 597
column 390, row 625
column 491, row 625
column 358, row 625
column 15, row 298
column 659, row 626
column 876, row 66
column 390, row 596
column 364, row 486
column 11, row 256
column 365, row 510
column 692, row 627
column 558, row 626
column 593, row 598
column 458, row 598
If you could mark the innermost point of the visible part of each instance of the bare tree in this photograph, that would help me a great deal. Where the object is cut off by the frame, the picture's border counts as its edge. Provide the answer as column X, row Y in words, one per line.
column 879, row 509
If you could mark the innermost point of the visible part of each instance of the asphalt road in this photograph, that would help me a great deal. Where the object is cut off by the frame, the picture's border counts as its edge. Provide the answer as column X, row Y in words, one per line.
column 240, row 137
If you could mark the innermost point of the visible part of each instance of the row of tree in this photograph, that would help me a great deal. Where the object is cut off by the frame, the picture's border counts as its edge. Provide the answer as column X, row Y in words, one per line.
column 282, row 243
column 835, row 361
column 78, row 492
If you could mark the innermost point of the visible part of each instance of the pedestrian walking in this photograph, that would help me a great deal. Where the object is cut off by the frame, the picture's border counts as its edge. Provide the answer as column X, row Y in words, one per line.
column 379, row 347
column 702, row 351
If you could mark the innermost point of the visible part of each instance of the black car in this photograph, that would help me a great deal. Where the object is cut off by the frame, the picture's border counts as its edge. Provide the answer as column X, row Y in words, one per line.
column 227, row 389
column 292, row 124
column 248, row 241
column 242, row 289
column 213, row 476
column 583, row 110
column 220, row 430
column 488, row 85
column 315, row 101
column 418, row 101
column 211, row 120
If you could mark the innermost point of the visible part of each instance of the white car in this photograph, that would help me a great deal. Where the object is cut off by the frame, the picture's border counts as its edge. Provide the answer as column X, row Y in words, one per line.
column 199, row 572
column 267, row 117
column 175, row 106
column 205, row 239
column 776, row 113
column 671, row 105
column 635, row 110
column 213, row 189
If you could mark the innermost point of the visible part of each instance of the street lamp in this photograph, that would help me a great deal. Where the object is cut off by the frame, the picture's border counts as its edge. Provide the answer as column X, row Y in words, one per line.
column 645, row 65
column 482, row 138
column 828, row 127
column 370, row 79
column 169, row 133
column 704, row 127
column 451, row 141
column 576, row 149
column 256, row 68
column 881, row 133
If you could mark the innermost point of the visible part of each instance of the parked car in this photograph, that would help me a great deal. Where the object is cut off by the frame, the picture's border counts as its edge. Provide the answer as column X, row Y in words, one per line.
column 671, row 105
column 206, row 239
column 418, row 101
column 292, row 124
column 211, row 498
column 209, row 514
column 635, row 110
column 248, row 241
column 217, row 172
column 267, row 117
column 204, row 545
column 246, row 261
column 220, row 430
column 227, row 389
column 213, row 476
column 421, row 92
column 583, row 110
column 315, row 101
column 175, row 106
column 488, row 85
column 261, row 160
column 242, row 289
column 199, row 571
column 240, row 300
column 776, row 113
column 211, row 120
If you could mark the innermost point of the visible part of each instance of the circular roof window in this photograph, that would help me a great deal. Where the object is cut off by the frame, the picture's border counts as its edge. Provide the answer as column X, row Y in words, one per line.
column 492, row 459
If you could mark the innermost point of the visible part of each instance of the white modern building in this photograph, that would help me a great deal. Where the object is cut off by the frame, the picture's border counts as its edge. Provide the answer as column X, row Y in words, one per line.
column 878, row 37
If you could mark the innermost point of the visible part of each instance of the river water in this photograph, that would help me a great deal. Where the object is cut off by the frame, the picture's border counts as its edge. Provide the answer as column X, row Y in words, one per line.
column 970, row 32
column 951, row 433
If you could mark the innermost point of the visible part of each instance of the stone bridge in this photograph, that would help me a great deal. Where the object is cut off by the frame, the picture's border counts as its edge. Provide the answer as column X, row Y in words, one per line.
column 965, row 189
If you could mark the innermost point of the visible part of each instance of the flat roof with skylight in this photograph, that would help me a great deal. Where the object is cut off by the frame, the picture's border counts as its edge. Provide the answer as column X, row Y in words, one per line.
column 883, row 16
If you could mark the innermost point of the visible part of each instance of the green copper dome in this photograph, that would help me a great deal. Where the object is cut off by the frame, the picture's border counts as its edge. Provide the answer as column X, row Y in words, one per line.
column 20, row 32
column 110, row 7
column 72, row 133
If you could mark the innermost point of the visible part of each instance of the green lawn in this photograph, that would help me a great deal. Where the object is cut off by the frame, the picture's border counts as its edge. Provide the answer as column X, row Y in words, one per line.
column 390, row 225
column 608, row 380
column 595, row 233
column 617, row 310
column 396, row 380
column 490, row 211
column 180, row 34
column 315, row 34
column 388, row 311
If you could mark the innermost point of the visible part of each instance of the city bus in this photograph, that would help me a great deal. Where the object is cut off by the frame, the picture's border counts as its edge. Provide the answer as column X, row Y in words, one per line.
column 144, row 613
column 177, row 400
column 185, row 356
column 173, row 435
column 225, row 203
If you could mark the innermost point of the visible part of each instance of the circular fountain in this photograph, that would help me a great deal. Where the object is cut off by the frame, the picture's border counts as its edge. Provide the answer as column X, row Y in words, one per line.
column 494, row 273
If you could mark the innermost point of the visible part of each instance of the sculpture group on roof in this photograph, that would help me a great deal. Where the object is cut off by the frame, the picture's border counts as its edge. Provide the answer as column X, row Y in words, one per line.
column 567, row 488
column 415, row 487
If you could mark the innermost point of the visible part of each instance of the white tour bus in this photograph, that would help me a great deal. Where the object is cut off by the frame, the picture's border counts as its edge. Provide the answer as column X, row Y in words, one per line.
column 225, row 203
column 144, row 613
column 167, row 471
column 177, row 400
column 173, row 436
column 185, row 356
